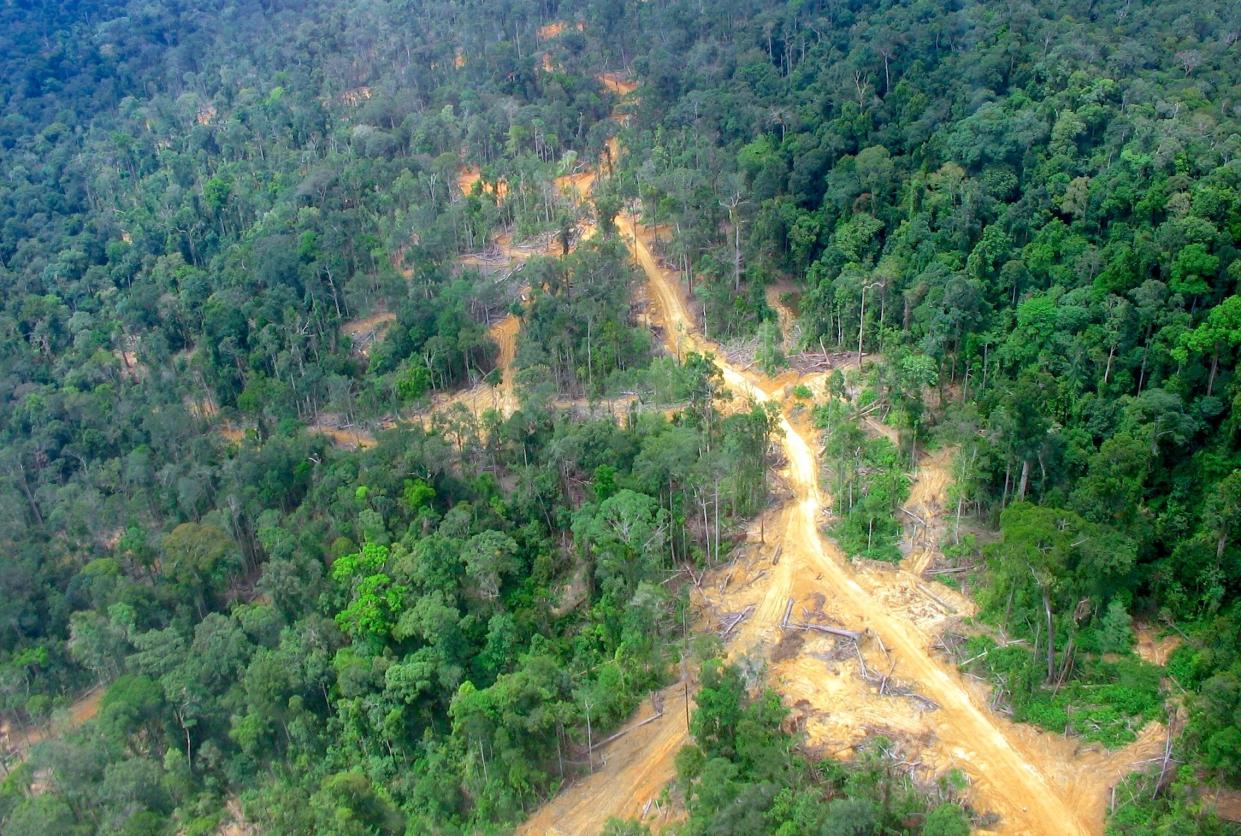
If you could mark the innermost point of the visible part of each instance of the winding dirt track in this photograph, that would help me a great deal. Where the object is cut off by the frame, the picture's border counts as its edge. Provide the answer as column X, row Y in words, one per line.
column 998, row 769
column 1036, row 782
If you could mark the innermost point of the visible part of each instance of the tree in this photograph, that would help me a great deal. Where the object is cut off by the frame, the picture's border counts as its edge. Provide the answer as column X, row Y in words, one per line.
column 770, row 356
column 488, row 558
column 201, row 560
column 1057, row 567
column 1191, row 271
column 946, row 820
column 348, row 803
column 1219, row 333
column 627, row 535
column 374, row 598
column 130, row 712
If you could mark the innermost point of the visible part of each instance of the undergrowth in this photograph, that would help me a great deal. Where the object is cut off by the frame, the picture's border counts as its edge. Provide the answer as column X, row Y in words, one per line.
column 1107, row 700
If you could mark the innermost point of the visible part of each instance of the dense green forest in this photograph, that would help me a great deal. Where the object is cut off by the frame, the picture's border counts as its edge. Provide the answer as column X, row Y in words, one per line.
column 1026, row 215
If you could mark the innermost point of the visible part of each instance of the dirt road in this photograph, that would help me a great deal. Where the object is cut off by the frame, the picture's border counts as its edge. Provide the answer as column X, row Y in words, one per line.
column 1004, row 778
column 1035, row 782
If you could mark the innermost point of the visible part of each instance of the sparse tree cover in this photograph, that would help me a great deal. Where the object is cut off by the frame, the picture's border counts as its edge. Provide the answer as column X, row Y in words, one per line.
column 1026, row 216
column 743, row 774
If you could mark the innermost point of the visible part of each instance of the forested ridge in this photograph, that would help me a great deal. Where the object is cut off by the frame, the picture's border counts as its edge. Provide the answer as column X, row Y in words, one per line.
column 1007, row 233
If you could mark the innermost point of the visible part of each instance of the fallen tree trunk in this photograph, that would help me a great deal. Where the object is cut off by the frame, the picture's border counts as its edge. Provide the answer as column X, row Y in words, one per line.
column 915, row 517
column 736, row 619
column 626, row 731
column 823, row 628
column 928, row 593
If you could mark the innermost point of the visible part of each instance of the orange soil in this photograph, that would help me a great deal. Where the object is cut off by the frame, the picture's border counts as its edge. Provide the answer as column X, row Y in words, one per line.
column 926, row 500
column 786, row 315
column 1036, row 782
column 206, row 410
column 483, row 396
column 1227, row 804
column 131, row 367
column 236, row 824
column 469, row 175
column 458, row 58
column 1152, row 648
column 349, row 438
column 886, row 430
column 618, row 84
column 629, row 776
column 551, row 30
column 577, row 184
column 16, row 743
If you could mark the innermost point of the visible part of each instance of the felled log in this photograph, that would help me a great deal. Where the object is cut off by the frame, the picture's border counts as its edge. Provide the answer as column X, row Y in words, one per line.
column 626, row 730
column 915, row 517
column 735, row 620
column 823, row 628
column 951, row 570
column 928, row 593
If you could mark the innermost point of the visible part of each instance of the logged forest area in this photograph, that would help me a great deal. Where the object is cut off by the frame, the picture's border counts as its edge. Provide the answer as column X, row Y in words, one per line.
column 651, row 416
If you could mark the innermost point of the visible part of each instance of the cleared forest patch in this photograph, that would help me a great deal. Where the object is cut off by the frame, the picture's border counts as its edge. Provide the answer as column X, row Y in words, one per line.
column 551, row 30
column 15, row 743
column 887, row 679
column 468, row 176
column 365, row 331
column 618, row 83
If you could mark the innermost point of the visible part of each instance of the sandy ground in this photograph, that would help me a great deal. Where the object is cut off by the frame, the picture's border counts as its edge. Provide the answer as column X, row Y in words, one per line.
column 1227, row 804
column 483, row 396
column 1034, row 781
column 924, row 520
column 348, row 437
column 784, row 314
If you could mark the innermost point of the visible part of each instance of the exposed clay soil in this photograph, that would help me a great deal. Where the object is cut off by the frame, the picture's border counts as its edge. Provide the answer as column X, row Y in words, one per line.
column 551, row 30
column 467, row 176
column 16, row 743
column 618, row 83
column 1034, row 781
column 1154, row 648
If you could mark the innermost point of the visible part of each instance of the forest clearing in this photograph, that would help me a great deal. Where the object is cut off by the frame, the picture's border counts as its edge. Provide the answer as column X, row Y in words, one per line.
column 625, row 418
column 16, row 743
column 1034, row 782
